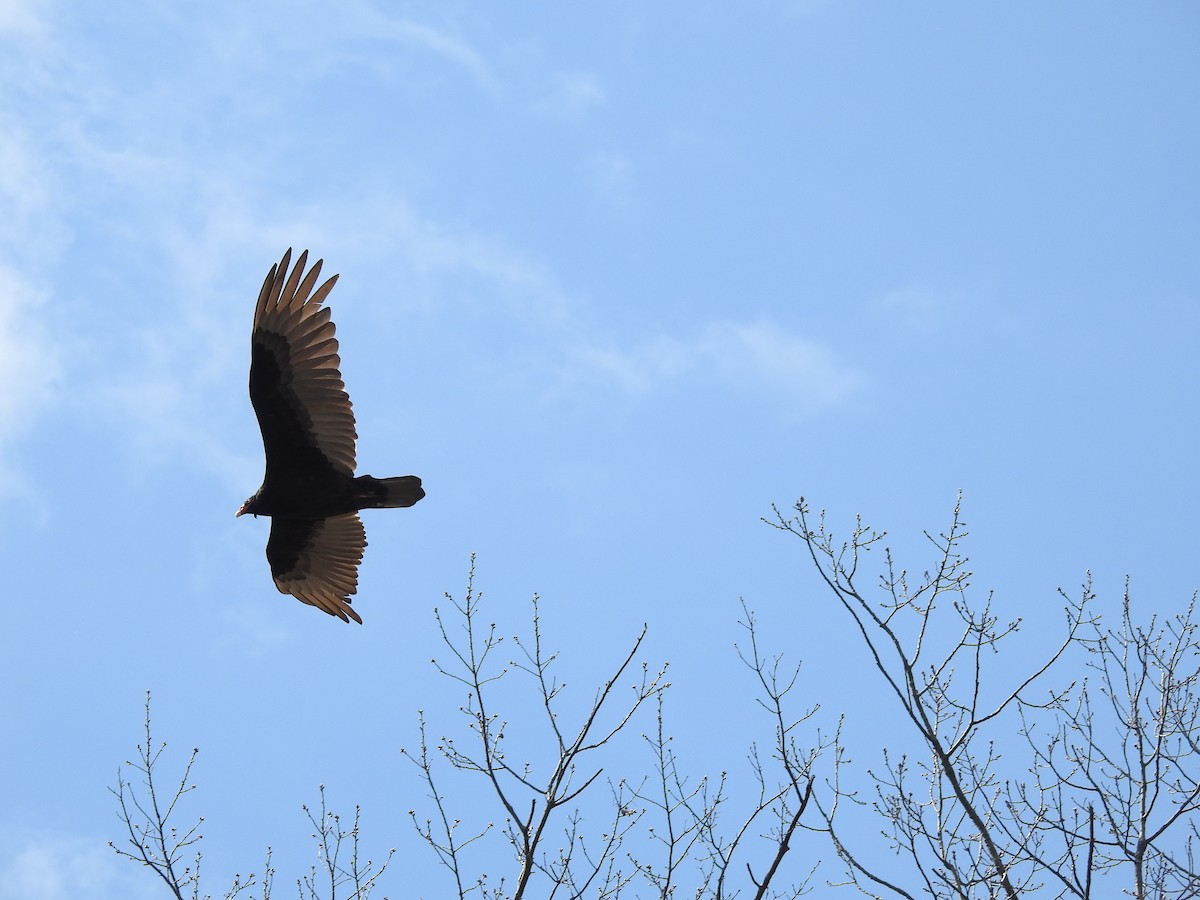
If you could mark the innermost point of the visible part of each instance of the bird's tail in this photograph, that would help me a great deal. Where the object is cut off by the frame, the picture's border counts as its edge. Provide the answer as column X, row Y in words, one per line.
column 377, row 493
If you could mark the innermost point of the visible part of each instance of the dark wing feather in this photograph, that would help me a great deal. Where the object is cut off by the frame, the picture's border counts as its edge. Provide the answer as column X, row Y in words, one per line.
column 316, row 560
column 295, row 384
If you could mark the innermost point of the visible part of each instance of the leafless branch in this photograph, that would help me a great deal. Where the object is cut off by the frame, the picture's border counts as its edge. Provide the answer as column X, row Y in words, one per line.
column 530, row 799
column 148, row 816
column 333, row 842
column 957, row 831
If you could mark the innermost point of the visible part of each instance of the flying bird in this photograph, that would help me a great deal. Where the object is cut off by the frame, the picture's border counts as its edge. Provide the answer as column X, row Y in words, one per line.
column 310, row 490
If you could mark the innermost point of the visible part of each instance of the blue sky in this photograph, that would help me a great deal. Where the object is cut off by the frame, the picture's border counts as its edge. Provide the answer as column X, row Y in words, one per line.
column 614, row 278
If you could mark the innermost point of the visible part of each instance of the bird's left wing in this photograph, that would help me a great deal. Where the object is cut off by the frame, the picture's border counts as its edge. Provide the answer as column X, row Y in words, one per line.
column 295, row 384
column 316, row 560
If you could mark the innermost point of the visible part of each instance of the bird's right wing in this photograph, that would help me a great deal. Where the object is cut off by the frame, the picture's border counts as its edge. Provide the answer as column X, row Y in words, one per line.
column 316, row 560
column 295, row 383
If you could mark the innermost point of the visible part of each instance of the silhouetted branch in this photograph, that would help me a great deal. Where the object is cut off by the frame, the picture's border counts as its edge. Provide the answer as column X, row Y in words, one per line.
column 1111, row 778
column 331, row 841
column 529, row 798
column 148, row 816
column 1111, row 786
column 956, row 830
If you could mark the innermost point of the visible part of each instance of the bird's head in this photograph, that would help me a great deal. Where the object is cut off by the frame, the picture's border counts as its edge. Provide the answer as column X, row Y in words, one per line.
column 248, row 507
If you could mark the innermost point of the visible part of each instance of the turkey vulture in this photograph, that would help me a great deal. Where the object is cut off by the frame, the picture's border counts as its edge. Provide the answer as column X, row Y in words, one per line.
column 309, row 489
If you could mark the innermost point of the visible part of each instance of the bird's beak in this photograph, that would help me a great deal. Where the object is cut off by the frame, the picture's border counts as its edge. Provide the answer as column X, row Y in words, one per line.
column 240, row 512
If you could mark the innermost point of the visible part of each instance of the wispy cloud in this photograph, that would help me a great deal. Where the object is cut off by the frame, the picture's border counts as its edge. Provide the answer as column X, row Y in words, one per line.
column 21, row 16
column 180, row 365
column 364, row 20
column 252, row 630
column 64, row 867
column 571, row 96
column 757, row 355
column 29, row 360
column 612, row 177
column 30, row 372
column 917, row 309
column 22, row 181
column 31, row 228
column 797, row 8
column 762, row 353
column 443, row 256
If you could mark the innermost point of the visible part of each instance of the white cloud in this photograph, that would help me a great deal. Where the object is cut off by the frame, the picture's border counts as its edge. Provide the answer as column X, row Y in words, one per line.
column 66, row 867
column 21, row 16
column 31, row 226
column 762, row 353
column 612, row 178
column 170, row 418
column 388, row 248
column 796, row 8
column 29, row 362
column 172, row 381
column 572, row 95
column 917, row 309
column 364, row 21
column 251, row 627
column 22, row 180
column 436, row 252
column 757, row 355
column 181, row 368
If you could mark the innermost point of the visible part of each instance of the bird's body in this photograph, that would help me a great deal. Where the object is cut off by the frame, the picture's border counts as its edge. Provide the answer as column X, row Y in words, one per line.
column 323, row 494
column 307, row 423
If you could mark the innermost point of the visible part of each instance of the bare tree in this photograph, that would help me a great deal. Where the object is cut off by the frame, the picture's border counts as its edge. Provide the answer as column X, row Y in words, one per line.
column 1116, row 772
column 566, row 837
column 788, row 799
column 149, row 816
column 1108, row 778
column 944, row 813
column 331, row 839
column 690, row 825
column 664, row 826
column 1004, row 780
column 532, row 800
